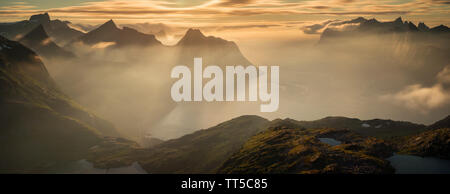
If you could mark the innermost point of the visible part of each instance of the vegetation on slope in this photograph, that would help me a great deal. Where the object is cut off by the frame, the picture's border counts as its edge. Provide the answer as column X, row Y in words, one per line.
column 287, row 148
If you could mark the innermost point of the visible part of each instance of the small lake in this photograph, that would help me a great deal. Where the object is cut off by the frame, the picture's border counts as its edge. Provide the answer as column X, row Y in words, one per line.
column 330, row 141
column 408, row 164
column 85, row 167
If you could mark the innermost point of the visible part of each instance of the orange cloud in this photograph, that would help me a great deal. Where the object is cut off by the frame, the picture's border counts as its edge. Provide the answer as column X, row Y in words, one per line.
column 215, row 9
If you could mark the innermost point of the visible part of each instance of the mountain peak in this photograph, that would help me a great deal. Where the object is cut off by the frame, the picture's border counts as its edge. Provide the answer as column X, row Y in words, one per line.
column 194, row 33
column 192, row 37
column 423, row 27
column 398, row 20
column 359, row 20
column 110, row 24
column 40, row 18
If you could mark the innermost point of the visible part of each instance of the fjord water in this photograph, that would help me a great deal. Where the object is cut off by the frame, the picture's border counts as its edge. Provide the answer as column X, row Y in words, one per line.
column 330, row 141
column 409, row 164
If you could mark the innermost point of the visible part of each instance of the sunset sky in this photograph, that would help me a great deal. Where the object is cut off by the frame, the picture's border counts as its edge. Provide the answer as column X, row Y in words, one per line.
column 231, row 12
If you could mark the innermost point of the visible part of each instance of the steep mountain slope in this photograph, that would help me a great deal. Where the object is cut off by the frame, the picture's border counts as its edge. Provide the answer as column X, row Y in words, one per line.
column 286, row 147
column 213, row 50
column 109, row 32
column 375, row 127
column 39, row 41
column 40, row 125
column 200, row 152
column 59, row 30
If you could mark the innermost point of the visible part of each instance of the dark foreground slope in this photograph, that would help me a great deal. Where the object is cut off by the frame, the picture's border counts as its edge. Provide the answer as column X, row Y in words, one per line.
column 433, row 142
column 40, row 126
column 251, row 144
column 289, row 148
column 200, row 152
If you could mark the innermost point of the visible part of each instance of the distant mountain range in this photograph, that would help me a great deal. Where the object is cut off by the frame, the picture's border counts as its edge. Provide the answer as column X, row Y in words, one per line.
column 59, row 31
column 33, row 33
column 109, row 32
column 365, row 27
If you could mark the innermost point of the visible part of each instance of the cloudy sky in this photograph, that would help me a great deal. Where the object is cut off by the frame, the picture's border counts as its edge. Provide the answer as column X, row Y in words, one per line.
column 231, row 12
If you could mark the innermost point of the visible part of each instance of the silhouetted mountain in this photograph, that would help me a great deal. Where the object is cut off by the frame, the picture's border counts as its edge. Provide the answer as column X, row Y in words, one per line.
column 423, row 27
column 60, row 31
column 160, row 30
column 200, row 152
column 40, row 126
column 39, row 41
column 375, row 127
column 375, row 27
column 286, row 148
column 109, row 32
column 424, row 52
column 213, row 50
column 440, row 29
column 40, row 18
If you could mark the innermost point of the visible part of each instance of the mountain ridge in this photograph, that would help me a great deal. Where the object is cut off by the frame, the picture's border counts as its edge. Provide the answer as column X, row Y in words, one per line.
column 38, row 40
column 109, row 32
column 59, row 30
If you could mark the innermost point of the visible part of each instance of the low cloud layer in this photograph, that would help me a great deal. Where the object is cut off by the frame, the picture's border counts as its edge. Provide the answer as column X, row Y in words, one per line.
column 424, row 99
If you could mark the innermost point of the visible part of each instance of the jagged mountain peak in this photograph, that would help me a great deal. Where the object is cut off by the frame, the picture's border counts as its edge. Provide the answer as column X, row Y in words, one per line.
column 109, row 25
column 194, row 34
column 398, row 20
column 423, row 27
column 41, row 18
column 359, row 20
column 196, row 37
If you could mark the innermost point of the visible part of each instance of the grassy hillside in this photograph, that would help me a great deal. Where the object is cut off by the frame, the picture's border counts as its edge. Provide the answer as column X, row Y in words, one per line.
column 434, row 143
column 289, row 148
